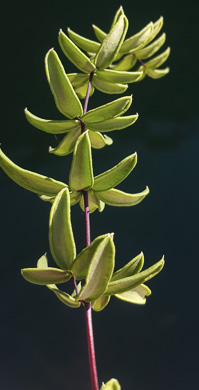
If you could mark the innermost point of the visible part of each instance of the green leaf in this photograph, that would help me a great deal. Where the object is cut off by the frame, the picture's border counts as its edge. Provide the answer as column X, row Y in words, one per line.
column 110, row 88
column 157, row 73
column 119, row 198
column 67, row 145
column 82, row 262
column 126, row 284
column 159, row 60
column 137, row 295
column 101, row 302
column 138, row 40
column 100, row 270
column 84, row 43
column 81, row 91
column 42, row 262
column 78, row 79
column 126, row 63
column 94, row 202
column 81, row 173
column 100, row 35
column 98, row 140
column 112, row 43
column 113, row 384
column 156, row 28
column 75, row 197
column 131, row 268
column 45, row 276
column 114, row 76
column 151, row 49
column 115, row 175
column 65, row 298
column 118, row 123
column 62, row 244
column 65, row 97
column 108, row 111
column 39, row 184
column 74, row 54
column 51, row 126
column 118, row 14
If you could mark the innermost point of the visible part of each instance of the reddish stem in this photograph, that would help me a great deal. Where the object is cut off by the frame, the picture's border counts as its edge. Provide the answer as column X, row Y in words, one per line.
column 91, row 346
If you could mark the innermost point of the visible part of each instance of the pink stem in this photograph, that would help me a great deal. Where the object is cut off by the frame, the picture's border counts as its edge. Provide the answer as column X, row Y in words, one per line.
column 91, row 346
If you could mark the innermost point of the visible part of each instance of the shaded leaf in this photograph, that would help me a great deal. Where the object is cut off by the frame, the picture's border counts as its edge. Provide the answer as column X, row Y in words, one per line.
column 101, row 302
column 119, row 198
column 107, row 87
column 45, row 276
column 67, row 145
column 65, row 298
column 51, row 126
column 98, row 140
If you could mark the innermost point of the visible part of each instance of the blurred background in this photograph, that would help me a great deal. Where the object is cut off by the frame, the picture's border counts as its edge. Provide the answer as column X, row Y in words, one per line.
column 43, row 343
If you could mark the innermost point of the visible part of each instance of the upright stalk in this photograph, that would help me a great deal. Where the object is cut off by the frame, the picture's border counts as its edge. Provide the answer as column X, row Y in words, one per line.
column 87, row 305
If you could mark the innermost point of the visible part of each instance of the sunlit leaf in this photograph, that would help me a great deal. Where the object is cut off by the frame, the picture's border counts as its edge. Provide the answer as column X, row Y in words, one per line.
column 107, row 87
column 108, row 111
column 118, row 123
column 51, row 126
column 151, row 49
column 113, row 384
column 61, row 240
column 115, row 175
column 65, row 298
column 45, row 276
column 126, row 63
column 131, row 268
column 84, row 43
column 114, row 76
column 100, row 270
column 98, row 140
column 41, row 185
column 81, row 173
column 137, row 295
column 101, row 302
column 67, row 145
column 65, row 97
column 119, row 198
column 138, row 40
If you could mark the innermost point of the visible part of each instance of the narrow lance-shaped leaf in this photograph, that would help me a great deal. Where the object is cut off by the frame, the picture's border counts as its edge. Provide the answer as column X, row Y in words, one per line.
column 65, row 298
column 125, row 284
column 62, row 244
column 100, row 270
column 107, row 87
column 65, row 97
column 74, row 54
column 39, row 184
column 112, row 43
column 131, row 268
column 118, row 123
column 67, row 144
column 151, row 49
column 159, row 60
column 115, row 175
column 138, row 40
column 51, row 126
column 114, row 76
column 84, row 43
column 119, row 198
column 45, row 276
column 108, row 111
column 81, row 173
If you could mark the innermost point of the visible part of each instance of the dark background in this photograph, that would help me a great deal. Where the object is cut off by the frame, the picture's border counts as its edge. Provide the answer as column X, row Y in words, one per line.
column 147, row 347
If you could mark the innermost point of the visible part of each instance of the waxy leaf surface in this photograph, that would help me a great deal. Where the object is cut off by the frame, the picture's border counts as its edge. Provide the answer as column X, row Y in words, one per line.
column 119, row 198
column 108, row 111
column 81, row 173
column 65, row 97
column 45, row 276
column 62, row 244
column 137, row 295
column 65, row 298
column 84, row 43
column 107, row 87
column 100, row 270
column 131, row 268
column 39, row 184
column 117, row 123
column 114, row 76
column 51, row 126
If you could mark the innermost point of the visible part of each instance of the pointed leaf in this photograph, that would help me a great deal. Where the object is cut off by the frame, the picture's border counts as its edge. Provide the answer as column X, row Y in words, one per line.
column 159, row 60
column 131, row 268
column 82, row 262
column 78, row 79
column 156, row 28
column 119, row 13
column 45, row 276
column 157, row 73
column 100, row 35
column 110, row 88
column 51, row 126
column 84, row 43
column 65, row 97
column 126, row 63
column 74, row 54
column 42, row 262
column 98, row 140
column 62, row 244
column 118, row 198
column 67, row 145
column 114, row 76
column 81, row 173
column 126, row 284
column 137, row 295
column 151, row 49
column 65, row 298
column 115, row 175
column 118, row 123
column 138, row 40
column 101, row 303
column 108, row 111
column 41, row 185
column 100, row 270
column 112, row 43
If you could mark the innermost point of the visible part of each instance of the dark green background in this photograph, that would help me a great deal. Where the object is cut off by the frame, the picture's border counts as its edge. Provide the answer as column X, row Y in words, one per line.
column 154, row 347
